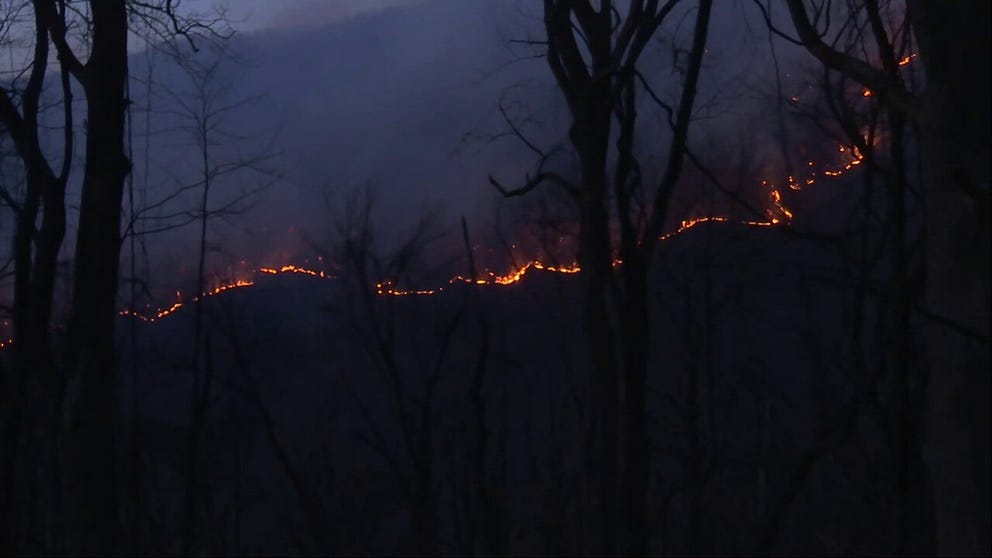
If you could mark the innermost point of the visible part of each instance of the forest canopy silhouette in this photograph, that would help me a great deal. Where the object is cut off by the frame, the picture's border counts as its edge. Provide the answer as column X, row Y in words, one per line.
column 495, row 277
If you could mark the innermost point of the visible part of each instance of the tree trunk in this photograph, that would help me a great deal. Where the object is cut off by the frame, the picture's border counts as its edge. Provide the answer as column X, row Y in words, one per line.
column 954, row 45
column 590, row 136
column 952, row 119
column 35, row 383
column 636, row 329
column 90, row 357
column 25, row 354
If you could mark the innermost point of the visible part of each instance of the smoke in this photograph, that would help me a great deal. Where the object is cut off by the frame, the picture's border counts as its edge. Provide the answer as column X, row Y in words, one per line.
column 312, row 13
column 255, row 15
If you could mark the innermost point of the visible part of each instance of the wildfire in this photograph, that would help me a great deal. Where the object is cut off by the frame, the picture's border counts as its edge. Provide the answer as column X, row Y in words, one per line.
column 777, row 214
column 689, row 223
column 851, row 157
column 165, row 312
column 293, row 269
column 224, row 287
column 386, row 288
column 491, row 279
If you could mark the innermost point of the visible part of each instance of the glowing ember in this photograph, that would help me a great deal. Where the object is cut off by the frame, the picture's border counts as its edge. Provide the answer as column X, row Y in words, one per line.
column 293, row 269
column 851, row 157
column 777, row 214
column 165, row 312
column 386, row 289
column 689, row 223
column 224, row 287
column 493, row 279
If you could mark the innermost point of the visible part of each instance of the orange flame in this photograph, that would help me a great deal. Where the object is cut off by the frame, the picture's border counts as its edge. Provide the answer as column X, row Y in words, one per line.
column 689, row 223
column 492, row 279
column 165, row 312
column 293, row 269
column 777, row 214
column 221, row 288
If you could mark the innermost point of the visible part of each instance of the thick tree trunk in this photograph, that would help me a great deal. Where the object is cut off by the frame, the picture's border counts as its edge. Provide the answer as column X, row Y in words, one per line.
column 25, row 352
column 636, row 329
column 90, row 357
column 906, row 402
column 35, row 384
column 954, row 45
column 952, row 118
column 590, row 136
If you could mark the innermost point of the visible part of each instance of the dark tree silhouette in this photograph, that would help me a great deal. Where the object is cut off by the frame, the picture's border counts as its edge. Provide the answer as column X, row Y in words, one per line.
column 951, row 125
column 593, row 52
column 36, row 248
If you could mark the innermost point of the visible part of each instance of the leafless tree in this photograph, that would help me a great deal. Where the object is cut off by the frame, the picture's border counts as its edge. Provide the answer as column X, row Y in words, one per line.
column 950, row 127
column 97, row 61
column 414, row 353
column 202, row 111
column 35, row 381
column 594, row 52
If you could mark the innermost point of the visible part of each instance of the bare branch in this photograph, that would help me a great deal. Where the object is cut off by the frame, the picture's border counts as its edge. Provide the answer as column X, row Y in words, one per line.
column 859, row 70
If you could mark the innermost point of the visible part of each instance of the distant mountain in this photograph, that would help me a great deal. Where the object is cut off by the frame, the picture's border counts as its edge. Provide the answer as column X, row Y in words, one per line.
column 404, row 99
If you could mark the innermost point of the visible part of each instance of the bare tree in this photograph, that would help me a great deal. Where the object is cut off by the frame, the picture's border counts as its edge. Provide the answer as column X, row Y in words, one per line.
column 951, row 127
column 35, row 262
column 412, row 362
column 594, row 52
column 202, row 110
column 86, row 384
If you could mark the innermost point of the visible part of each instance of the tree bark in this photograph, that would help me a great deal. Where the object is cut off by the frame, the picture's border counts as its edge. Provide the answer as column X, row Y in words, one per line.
column 589, row 136
column 34, row 389
column 954, row 45
column 952, row 121
column 90, row 358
